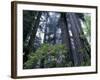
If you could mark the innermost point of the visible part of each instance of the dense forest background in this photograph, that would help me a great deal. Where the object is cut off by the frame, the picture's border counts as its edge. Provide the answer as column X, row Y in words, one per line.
column 56, row 39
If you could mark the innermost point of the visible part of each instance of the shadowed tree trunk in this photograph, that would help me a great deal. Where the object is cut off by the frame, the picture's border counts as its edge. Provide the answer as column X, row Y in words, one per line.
column 30, row 46
column 78, row 45
column 75, row 41
column 85, row 53
column 65, row 35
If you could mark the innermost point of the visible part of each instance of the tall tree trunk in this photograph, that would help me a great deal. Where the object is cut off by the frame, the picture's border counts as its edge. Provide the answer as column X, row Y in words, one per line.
column 75, row 39
column 65, row 35
column 85, row 54
column 32, row 36
column 79, row 45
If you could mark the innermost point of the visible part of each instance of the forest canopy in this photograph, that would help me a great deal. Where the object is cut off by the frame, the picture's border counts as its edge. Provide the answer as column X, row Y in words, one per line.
column 56, row 39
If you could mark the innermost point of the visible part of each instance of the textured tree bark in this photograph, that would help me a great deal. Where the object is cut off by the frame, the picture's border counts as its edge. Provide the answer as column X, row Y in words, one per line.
column 76, row 30
column 66, row 36
column 84, row 43
column 28, row 20
column 32, row 35
column 73, row 37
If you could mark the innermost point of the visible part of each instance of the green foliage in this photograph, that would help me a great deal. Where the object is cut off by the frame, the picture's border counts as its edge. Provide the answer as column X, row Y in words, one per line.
column 87, row 29
column 86, row 58
column 44, row 52
column 86, row 62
